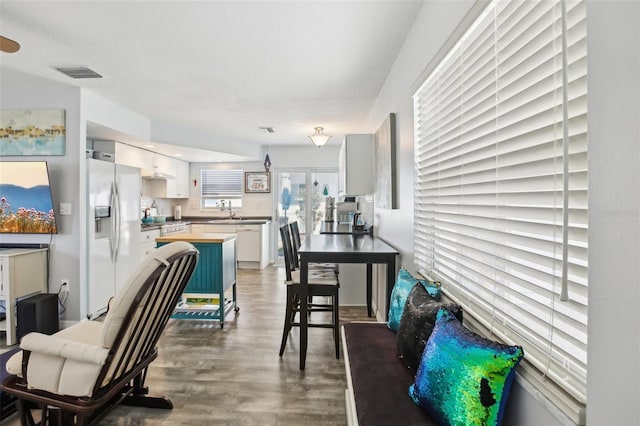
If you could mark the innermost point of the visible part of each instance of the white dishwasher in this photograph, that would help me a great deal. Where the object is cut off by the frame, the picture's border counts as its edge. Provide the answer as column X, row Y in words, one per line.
column 249, row 243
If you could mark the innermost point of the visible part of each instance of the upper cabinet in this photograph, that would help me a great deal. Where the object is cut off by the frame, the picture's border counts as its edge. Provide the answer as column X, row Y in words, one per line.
column 169, row 180
column 164, row 176
column 164, row 166
column 126, row 154
column 179, row 187
column 356, row 165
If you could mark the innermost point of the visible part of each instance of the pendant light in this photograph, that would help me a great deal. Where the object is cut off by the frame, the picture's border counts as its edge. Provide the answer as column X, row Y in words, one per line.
column 319, row 138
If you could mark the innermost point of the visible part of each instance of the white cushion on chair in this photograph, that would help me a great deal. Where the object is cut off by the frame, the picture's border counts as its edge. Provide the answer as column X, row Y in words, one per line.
column 67, row 362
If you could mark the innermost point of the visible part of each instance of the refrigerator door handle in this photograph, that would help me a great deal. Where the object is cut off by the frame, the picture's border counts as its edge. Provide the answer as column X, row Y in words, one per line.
column 117, row 219
column 112, row 235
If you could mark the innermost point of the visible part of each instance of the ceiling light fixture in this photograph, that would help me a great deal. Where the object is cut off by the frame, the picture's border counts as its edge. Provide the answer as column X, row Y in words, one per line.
column 319, row 138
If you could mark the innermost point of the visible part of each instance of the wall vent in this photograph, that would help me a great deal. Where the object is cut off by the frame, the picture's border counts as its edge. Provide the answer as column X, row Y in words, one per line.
column 79, row 72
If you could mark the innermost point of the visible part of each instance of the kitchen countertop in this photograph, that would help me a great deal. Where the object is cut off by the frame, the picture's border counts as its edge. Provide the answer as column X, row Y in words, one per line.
column 205, row 237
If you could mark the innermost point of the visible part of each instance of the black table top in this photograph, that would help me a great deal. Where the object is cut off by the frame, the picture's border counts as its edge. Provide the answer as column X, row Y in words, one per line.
column 341, row 244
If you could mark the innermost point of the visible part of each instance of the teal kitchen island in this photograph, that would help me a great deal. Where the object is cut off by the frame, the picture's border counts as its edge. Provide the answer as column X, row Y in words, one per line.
column 204, row 297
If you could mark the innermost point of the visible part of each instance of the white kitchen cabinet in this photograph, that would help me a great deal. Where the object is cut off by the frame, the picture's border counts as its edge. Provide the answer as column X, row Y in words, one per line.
column 164, row 165
column 149, row 240
column 126, row 155
column 179, row 187
column 198, row 228
column 355, row 161
column 220, row 228
column 163, row 184
column 23, row 272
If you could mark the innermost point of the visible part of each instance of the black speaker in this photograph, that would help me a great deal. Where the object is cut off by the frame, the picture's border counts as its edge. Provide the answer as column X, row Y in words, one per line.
column 37, row 313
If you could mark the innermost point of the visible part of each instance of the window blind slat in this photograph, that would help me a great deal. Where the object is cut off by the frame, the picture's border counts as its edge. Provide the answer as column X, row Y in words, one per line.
column 221, row 183
column 501, row 183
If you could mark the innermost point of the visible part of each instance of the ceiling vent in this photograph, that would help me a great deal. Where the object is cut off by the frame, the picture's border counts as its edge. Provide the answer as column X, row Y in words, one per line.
column 267, row 129
column 79, row 72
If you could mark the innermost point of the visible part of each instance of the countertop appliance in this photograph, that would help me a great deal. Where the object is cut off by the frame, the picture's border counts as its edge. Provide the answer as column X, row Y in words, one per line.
column 114, row 231
column 177, row 212
column 345, row 211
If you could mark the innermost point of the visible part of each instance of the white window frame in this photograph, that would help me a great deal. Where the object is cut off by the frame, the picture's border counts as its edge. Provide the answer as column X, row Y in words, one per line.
column 500, row 202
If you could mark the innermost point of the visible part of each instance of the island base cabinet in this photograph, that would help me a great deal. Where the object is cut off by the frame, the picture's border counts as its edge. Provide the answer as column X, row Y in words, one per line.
column 214, row 276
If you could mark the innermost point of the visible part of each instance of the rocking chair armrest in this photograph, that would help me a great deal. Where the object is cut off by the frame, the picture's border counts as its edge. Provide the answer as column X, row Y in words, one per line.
column 63, row 348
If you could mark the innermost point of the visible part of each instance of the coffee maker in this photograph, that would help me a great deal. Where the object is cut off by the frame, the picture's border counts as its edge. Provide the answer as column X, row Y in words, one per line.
column 345, row 211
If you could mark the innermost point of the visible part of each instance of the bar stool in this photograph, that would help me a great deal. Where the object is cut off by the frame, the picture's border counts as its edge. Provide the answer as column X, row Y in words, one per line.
column 319, row 285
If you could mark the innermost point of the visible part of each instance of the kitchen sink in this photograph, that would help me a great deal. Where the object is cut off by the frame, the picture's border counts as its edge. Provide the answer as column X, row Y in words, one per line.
column 231, row 220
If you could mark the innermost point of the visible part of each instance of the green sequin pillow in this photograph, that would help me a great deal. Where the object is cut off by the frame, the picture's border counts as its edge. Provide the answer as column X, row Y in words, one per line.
column 463, row 378
column 401, row 289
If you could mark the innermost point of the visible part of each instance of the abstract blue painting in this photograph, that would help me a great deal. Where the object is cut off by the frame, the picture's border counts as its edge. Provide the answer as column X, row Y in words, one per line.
column 32, row 132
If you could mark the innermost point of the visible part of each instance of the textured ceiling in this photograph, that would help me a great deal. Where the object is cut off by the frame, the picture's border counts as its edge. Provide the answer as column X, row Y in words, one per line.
column 216, row 71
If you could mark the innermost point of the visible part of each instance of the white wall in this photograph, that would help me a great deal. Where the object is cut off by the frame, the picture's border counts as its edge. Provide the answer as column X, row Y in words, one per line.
column 64, row 171
column 613, row 42
column 614, row 193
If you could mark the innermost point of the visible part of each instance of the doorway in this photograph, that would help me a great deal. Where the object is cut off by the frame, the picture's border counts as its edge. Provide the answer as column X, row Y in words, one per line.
column 300, row 195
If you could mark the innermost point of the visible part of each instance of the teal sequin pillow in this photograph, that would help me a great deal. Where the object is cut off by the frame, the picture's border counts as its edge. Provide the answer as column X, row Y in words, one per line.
column 463, row 378
column 404, row 284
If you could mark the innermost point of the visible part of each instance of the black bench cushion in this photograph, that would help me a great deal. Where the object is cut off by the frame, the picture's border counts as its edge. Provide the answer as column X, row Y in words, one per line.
column 380, row 380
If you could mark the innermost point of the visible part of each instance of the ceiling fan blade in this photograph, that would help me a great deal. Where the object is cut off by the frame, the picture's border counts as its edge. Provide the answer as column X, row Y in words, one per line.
column 8, row 45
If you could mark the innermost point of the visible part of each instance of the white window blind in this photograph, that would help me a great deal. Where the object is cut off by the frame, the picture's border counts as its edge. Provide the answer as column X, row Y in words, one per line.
column 501, row 183
column 221, row 184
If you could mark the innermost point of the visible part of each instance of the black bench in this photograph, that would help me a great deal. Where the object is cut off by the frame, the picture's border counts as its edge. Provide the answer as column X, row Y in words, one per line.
column 377, row 381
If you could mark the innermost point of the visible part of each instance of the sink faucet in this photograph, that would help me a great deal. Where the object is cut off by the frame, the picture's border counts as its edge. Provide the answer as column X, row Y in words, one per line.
column 231, row 213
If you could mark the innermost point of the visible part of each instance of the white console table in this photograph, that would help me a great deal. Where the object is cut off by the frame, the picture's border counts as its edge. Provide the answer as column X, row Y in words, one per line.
column 23, row 272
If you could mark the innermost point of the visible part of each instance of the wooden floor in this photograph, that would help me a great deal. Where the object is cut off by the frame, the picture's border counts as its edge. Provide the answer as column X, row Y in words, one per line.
column 234, row 376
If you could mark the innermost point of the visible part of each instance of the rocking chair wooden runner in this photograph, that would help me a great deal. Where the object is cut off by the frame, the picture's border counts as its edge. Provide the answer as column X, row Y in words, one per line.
column 77, row 375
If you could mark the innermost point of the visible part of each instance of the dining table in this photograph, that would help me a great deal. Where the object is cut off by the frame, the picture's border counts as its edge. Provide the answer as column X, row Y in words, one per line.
column 341, row 248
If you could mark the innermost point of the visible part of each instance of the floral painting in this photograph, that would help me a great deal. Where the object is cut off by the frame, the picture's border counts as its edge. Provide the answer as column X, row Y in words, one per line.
column 32, row 132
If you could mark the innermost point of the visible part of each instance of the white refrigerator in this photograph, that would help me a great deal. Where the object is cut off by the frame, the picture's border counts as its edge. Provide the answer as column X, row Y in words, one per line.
column 114, row 230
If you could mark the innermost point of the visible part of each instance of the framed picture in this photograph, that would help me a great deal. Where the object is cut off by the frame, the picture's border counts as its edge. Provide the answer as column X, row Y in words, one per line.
column 257, row 182
column 32, row 132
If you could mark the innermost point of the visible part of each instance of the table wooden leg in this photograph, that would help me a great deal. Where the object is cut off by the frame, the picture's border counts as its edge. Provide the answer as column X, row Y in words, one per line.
column 391, row 276
column 369, row 287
